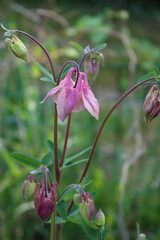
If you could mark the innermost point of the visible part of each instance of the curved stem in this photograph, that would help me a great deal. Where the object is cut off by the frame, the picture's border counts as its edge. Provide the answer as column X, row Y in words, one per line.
column 84, row 57
column 73, row 186
column 63, row 67
column 66, row 140
column 43, row 48
column 105, row 120
column 102, row 126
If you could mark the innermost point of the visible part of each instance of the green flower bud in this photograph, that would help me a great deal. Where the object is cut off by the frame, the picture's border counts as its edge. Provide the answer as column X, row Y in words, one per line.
column 28, row 187
column 86, row 206
column 17, row 47
column 76, row 198
column 100, row 218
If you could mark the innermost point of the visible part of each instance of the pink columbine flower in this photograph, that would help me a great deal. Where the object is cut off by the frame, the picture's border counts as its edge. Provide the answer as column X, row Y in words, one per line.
column 74, row 99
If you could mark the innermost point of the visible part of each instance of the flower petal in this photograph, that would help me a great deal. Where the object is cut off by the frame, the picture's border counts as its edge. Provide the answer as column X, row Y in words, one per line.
column 66, row 102
column 90, row 102
column 54, row 90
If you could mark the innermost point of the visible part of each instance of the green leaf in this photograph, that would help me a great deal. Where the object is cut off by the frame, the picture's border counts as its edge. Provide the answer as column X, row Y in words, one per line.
column 156, row 72
column 67, row 160
column 26, row 160
column 148, row 75
column 62, row 209
column 46, row 159
column 68, row 194
column 87, row 182
column 43, row 70
column 74, row 163
column 74, row 220
column 100, row 47
column 59, row 220
column 77, row 46
column 45, row 79
column 93, row 234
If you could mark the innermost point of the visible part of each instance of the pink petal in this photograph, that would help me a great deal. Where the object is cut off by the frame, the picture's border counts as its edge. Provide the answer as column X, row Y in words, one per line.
column 54, row 90
column 66, row 102
column 90, row 102
column 80, row 105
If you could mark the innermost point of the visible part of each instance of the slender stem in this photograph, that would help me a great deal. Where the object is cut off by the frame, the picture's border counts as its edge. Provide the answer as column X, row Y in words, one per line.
column 58, row 232
column 84, row 57
column 105, row 120
column 43, row 48
column 66, row 140
column 102, row 126
column 72, row 186
column 52, row 226
column 57, row 173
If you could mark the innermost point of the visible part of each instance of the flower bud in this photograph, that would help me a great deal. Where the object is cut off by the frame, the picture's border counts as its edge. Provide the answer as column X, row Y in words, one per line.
column 45, row 201
column 91, row 68
column 76, row 198
column 151, row 106
column 17, row 47
column 28, row 187
column 141, row 236
column 100, row 218
column 86, row 206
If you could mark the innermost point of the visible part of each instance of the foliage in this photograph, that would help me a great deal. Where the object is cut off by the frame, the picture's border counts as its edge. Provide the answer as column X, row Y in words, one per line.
column 123, row 201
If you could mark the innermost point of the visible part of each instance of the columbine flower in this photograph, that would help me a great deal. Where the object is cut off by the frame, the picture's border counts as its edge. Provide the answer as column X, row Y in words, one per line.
column 74, row 99
column 45, row 201
column 86, row 206
column 151, row 107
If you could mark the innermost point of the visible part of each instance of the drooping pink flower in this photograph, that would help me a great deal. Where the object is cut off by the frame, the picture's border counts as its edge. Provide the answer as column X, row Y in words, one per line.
column 74, row 99
column 45, row 202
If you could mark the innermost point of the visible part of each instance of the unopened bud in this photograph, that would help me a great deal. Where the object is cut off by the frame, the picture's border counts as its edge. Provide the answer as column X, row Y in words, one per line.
column 45, row 202
column 17, row 47
column 141, row 236
column 76, row 198
column 28, row 187
column 100, row 219
column 151, row 106
column 86, row 206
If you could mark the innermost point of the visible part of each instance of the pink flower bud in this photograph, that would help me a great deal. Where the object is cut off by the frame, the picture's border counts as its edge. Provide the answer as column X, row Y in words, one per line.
column 151, row 107
column 45, row 202
column 100, row 219
column 28, row 187
column 86, row 206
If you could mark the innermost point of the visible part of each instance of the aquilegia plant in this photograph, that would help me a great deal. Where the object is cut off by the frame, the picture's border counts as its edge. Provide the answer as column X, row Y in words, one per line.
column 72, row 93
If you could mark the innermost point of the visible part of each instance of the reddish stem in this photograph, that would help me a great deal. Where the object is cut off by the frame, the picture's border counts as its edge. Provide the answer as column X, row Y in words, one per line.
column 66, row 140
column 102, row 126
column 43, row 48
column 57, row 173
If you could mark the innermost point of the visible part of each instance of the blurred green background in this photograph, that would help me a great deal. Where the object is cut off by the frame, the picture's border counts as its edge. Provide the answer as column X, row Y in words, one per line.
column 126, row 167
